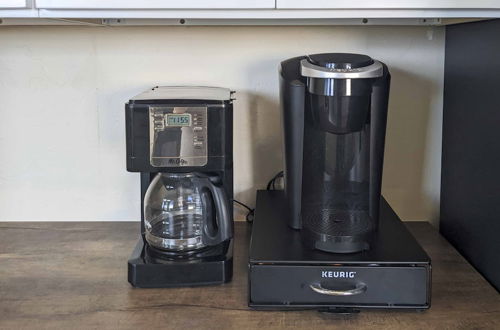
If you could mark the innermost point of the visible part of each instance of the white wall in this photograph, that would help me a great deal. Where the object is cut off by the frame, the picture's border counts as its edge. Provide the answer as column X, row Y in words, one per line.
column 63, row 89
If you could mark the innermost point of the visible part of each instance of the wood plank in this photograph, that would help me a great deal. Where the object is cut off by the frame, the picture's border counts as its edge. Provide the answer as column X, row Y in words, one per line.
column 74, row 275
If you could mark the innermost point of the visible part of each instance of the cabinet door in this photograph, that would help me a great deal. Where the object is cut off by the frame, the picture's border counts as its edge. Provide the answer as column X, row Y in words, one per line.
column 154, row 4
column 13, row 4
column 387, row 4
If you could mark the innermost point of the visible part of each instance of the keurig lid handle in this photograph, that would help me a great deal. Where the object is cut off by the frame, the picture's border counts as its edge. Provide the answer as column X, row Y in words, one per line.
column 374, row 70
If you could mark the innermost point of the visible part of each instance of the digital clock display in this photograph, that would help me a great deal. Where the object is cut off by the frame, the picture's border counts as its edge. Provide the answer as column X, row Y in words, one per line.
column 178, row 120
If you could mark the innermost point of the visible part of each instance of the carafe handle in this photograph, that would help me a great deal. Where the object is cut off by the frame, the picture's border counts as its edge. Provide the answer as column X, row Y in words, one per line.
column 222, row 219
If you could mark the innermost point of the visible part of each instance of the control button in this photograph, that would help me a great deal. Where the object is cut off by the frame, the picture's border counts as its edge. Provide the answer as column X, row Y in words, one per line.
column 197, row 143
column 197, row 128
column 159, row 125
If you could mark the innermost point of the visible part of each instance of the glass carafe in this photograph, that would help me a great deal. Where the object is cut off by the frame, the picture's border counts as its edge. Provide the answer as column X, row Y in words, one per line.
column 185, row 211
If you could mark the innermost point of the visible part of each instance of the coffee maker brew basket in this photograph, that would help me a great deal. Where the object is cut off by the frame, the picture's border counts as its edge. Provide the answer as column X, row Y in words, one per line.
column 334, row 109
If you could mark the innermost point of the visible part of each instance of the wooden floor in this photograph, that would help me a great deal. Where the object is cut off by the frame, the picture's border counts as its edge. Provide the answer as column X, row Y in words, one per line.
column 74, row 276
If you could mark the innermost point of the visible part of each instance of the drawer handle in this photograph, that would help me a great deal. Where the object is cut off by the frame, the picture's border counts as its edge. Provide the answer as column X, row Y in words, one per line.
column 360, row 288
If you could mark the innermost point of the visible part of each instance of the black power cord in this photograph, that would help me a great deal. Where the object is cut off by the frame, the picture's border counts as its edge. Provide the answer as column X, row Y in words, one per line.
column 271, row 185
column 250, row 213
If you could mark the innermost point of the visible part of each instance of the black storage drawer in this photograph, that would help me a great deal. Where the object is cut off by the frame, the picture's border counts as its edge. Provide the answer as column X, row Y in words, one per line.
column 369, row 286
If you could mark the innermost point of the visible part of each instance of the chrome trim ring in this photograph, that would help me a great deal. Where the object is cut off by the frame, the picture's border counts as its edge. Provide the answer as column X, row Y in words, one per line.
column 360, row 288
column 310, row 70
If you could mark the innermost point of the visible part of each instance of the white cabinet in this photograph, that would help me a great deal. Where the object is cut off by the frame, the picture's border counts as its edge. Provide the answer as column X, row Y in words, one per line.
column 13, row 4
column 388, row 4
column 16, row 9
column 155, row 4
column 276, row 12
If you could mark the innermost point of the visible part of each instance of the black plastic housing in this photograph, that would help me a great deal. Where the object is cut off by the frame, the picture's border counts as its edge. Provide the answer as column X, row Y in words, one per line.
column 334, row 133
column 220, row 147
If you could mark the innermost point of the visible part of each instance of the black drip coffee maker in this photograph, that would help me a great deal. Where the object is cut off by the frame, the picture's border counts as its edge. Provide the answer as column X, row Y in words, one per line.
column 180, row 140
column 329, row 240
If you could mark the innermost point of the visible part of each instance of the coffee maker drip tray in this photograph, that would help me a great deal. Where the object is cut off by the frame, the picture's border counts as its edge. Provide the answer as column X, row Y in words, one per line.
column 284, row 273
column 151, row 268
column 337, row 231
column 339, row 223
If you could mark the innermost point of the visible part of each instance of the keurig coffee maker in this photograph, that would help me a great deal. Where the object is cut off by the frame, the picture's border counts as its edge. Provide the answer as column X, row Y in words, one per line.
column 329, row 241
column 180, row 140
column 333, row 172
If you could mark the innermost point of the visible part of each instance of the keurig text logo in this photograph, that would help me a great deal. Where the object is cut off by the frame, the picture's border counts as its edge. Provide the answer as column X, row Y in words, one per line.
column 332, row 274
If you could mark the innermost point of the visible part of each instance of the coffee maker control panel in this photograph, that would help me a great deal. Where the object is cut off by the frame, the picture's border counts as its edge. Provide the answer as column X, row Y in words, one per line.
column 178, row 136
